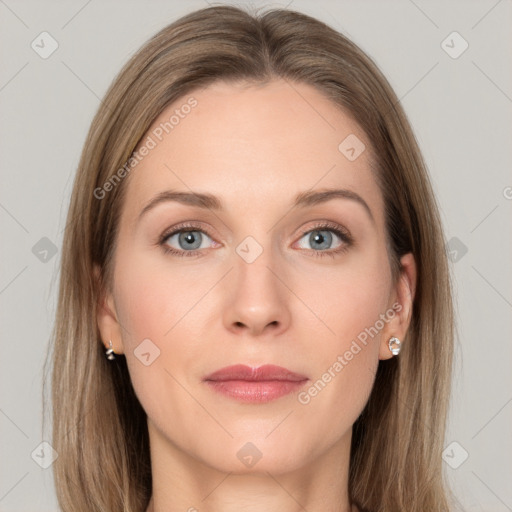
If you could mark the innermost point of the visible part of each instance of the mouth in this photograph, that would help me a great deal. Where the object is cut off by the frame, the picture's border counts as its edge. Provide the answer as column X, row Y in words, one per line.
column 255, row 385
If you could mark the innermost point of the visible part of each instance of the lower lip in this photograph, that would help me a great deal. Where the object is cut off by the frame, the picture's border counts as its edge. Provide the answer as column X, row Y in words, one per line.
column 255, row 391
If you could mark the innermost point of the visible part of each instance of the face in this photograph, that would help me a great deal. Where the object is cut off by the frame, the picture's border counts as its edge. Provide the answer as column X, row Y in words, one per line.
column 269, row 272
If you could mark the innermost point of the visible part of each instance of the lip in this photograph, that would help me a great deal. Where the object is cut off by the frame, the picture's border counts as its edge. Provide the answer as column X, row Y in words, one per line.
column 255, row 385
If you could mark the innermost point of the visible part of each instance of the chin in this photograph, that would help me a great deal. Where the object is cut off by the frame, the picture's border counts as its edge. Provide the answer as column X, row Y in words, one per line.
column 259, row 456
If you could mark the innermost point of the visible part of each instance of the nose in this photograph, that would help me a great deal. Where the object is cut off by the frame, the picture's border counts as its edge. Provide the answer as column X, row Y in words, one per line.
column 258, row 298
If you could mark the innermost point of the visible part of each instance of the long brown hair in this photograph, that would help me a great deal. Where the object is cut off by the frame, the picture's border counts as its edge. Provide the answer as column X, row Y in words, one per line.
column 99, row 427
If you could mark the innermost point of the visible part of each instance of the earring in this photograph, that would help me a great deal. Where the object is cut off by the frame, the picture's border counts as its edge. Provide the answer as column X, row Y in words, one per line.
column 110, row 352
column 394, row 345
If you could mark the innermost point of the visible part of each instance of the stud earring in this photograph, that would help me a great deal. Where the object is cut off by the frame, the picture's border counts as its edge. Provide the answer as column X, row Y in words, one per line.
column 394, row 345
column 110, row 352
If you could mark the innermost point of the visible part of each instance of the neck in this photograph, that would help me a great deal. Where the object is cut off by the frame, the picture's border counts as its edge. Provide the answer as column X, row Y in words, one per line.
column 183, row 482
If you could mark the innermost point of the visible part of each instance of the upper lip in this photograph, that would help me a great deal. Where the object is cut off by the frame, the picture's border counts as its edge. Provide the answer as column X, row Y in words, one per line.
column 267, row 372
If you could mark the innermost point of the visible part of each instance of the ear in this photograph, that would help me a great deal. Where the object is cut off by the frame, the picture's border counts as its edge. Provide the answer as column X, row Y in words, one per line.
column 401, row 303
column 106, row 317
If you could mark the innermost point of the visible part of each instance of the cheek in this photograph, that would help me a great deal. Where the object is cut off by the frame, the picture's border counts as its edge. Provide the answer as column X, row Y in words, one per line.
column 353, row 307
column 349, row 299
column 345, row 368
column 358, row 305
column 159, row 329
column 152, row 308
column 151, row 302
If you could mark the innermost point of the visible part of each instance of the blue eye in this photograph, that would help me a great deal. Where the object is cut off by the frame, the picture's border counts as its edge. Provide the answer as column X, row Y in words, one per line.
column 190, row 239
column 321, row 238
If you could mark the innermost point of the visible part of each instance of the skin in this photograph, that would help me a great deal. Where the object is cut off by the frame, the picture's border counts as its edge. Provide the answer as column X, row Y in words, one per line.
column 256, row 148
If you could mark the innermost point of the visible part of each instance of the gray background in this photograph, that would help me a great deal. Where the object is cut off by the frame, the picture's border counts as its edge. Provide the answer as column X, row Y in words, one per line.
column 460, row 109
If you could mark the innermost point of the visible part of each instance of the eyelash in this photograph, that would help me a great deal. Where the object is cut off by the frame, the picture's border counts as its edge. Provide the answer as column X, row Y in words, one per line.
column 326, row 226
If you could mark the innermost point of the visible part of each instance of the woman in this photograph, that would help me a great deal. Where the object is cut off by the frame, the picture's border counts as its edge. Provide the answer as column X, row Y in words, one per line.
column 263, row 371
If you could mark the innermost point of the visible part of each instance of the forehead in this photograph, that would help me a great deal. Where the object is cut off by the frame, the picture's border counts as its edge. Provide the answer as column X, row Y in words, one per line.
column 249, row 143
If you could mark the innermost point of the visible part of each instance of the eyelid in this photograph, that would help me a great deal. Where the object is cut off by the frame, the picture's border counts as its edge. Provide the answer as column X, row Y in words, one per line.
column 323, row 225
column 340, row 231
column 182, row 226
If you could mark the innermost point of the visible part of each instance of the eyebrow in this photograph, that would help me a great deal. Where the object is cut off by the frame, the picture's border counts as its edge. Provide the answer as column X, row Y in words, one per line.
column 210, row 202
